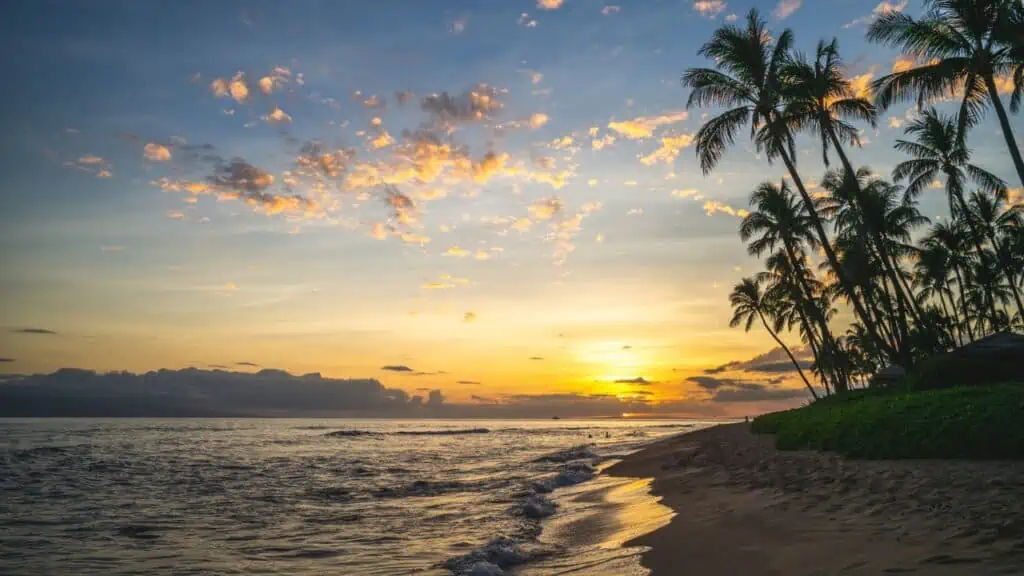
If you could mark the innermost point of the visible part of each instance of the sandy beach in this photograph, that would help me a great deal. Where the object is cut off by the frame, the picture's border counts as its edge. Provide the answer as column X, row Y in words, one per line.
column 743, row 507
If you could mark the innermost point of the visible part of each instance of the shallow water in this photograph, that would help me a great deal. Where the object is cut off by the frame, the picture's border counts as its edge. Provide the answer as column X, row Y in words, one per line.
column 320, row 496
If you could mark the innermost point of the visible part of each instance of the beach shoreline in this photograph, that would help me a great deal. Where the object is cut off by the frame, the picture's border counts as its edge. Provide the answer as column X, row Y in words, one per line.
column 742, row 507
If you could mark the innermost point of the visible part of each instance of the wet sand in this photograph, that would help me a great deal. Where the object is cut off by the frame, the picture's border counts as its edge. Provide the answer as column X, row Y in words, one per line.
column 744, row 508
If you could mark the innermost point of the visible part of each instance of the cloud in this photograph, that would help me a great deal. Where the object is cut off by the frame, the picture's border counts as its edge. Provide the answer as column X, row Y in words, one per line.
column 545, row 208
column 639, row 381
column 90, row 160
column 277, row 116
column 457, row 252
column 881, row 9
column 786, row 8
column 196, row 392
column 550, row 4
column 235, row 88
column 603, row 142
column 525, row 20
column 40, row 331
column 459, row 25
column 104, row 173
column 397, row 368
column 737, row 390
column 732, row 18
column 468, row 382
column 538, row 119
column 671, row 146
column 610, row 9
column 773, row 361
column 156, row 152
column 688, row 193
column 469, row 317
column 709, row 8
column 1015, row 196
column 475, row 105
column 6, row 360
column 250, row 364
column 712, row 206
column 644, row 126
column 536, row 357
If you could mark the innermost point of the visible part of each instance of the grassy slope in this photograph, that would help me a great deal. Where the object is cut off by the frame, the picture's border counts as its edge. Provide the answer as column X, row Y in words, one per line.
column 975, row 423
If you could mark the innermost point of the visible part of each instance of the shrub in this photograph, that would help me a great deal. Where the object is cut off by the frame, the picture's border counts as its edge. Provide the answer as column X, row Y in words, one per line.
column 971, row 423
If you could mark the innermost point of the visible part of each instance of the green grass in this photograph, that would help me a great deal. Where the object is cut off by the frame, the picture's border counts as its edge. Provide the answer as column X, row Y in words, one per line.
column 979, row 423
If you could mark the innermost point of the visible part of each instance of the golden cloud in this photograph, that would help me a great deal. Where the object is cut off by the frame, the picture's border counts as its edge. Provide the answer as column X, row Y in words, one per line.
column 709, row 8
column 90, row 160
column 712, row 206
column 546, row 208
column 601, row 143
column 538, row 119
column 671, row 146
column 644, row 126
column 156, row 152
column 550, row 4
column 277, row 116
column 456, row 252
column 104, row 173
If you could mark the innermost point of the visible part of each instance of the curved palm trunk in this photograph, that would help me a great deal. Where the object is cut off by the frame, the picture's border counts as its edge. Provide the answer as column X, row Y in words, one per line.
column 1004, row 123
column 844, row 280
column 957, row 338
column 807, row 294
column 888, row 263
column 975, row 235
column 1007, row 269
column 790, row 354
column 813, row 343
column 964, row 306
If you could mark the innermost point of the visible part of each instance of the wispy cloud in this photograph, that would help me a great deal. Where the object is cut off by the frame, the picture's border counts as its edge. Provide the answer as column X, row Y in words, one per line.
column 671, row 147
column 644, row 126
column 396, row 368
column 39, row 331
column 709, row 8
column 785, row 8
column 881, row 9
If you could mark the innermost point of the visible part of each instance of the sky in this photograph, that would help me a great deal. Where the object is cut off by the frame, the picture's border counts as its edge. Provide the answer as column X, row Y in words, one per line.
column 497, row 200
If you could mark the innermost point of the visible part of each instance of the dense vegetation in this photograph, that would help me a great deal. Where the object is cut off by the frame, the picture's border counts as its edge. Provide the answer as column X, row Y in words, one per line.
column 914, row 288
column 968, row 422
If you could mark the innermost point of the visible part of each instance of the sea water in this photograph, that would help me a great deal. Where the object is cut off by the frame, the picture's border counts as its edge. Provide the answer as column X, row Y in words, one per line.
column 204, row 496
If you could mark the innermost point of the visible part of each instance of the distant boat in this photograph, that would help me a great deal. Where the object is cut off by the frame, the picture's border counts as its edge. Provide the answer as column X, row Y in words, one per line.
column 556, row 417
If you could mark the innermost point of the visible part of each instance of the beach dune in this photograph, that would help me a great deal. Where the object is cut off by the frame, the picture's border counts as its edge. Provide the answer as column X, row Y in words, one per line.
column 742, row 507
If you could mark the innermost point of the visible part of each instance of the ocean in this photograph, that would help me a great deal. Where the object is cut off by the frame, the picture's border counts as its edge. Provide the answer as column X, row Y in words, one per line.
column 298, row 497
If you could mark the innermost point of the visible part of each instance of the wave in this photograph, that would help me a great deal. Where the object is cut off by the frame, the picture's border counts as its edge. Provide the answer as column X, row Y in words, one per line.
column 440, row 432
column 443, row 432
column 494, row 557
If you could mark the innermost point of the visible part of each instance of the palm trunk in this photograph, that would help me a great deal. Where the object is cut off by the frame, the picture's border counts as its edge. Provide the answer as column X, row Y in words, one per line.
column 964, row 306
column 957, row 338
column 975, row 235
column 1007, row 269
column 844, row 280
column 808, row 297
column 1004, row 123
column 790, row 354
column 888, row 263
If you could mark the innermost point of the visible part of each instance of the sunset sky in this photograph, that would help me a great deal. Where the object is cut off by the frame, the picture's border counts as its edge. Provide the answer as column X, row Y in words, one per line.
column 501, row 197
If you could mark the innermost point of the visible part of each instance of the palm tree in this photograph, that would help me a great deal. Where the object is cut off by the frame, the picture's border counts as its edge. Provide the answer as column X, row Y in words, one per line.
column 779, row 217
column 938, row 149
column 748, row 303
column 746, row 80
column 963, row 42
column 1008, row 35
column 931, row 274
column 953, row 241
column 989, row 214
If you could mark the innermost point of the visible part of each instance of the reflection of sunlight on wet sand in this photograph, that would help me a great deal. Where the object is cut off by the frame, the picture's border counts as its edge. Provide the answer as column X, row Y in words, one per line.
column 595, row 523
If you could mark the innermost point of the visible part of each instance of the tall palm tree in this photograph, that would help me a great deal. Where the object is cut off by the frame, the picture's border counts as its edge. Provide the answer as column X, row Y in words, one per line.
column 779, row 217
column 931, row 274
column 748, row 303
column 962, row 42
column 746, row 81
column 989, row 214
column 937, row 150
column 952, row 239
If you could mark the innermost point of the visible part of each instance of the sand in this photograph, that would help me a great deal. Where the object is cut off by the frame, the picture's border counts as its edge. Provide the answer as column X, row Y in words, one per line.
column 744, row 508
